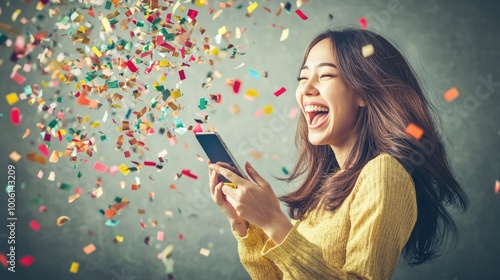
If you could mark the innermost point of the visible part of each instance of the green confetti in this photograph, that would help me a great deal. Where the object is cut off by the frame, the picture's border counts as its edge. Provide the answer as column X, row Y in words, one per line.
column 285, row 170
column 65, row 187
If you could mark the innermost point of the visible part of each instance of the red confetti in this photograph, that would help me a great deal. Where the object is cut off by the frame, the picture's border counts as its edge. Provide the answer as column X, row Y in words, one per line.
column 149, row 163
column 180, row 236
column 126, row 154
column 131, row 66
column 218, row 98
column 198, row 128
column 182, row 76
column 192, row 13
column 497, row 187
column 362, row 22
column 3, row 260
column 43, row 148
column 301, row 14
column 280, row 91
column 15, row 116
column 34, row 225
column 17, row 78
column 26, row 260
column 188, row 173
column 236, row 86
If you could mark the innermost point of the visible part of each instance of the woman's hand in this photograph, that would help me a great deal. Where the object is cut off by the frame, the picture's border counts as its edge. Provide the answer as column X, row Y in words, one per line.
column 220, row 198
column 255, row 202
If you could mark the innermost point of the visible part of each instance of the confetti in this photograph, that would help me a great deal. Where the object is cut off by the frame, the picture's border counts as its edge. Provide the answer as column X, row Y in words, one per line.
column 26, row 260
column 284, row 34
column 100, row 167
column 451, row 94
column 301, row 14
column 26, row 133
column 497, row 187
column 279, row 91
column 160, row 235
column 62, row 220
column 236, row 86
column 74, row 267
column 12, row 98
column 367, row 50
column 414, row 131
column 362, row 22
column 14, row 156
column 268, row 109
column 222, row 30
column 118, row 239
column 252, row 7
column 204, row 252
column 15, row 116
column 89, row 249
column 34, row 225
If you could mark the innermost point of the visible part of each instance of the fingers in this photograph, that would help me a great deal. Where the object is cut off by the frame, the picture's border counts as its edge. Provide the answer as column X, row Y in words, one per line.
column 230, row 167
column 252, row 173
column 217, row 194
column 227, row 173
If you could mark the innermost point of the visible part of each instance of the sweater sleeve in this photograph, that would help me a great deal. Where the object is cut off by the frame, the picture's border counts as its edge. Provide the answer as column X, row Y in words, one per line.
column 382, row 214
column 249, row 246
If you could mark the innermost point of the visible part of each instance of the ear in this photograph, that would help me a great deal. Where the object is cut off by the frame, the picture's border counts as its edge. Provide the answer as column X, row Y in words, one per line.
column 361, row 102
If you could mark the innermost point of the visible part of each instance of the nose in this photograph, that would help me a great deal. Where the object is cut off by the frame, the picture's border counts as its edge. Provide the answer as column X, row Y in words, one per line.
column 309, row 89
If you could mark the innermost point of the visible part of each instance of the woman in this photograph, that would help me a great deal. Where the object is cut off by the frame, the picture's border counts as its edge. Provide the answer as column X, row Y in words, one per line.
column 371, row 190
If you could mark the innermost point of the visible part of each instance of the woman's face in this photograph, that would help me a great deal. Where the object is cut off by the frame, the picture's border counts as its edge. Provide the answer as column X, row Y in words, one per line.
column 331, row 120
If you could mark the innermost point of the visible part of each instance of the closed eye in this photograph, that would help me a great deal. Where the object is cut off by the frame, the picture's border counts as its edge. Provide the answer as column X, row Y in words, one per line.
column 327, row 75
column 301, row 78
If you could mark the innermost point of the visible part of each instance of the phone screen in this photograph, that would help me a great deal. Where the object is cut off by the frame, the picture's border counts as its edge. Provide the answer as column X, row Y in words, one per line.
column 215, row 151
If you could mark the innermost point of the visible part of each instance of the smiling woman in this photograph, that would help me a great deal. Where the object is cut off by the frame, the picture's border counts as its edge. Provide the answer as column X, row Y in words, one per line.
column 371, row 190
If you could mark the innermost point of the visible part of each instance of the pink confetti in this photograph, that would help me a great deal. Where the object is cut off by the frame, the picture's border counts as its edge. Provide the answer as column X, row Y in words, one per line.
column 78, row 190
column 293, row 113
column 60, row 115
column 258, row 113
column 100, row 167
column 236, row 86
column 192, row 13
column 43, row 148
column 182, row 76
column 42, row 209
column 180, row 236
column 143, row 225
column 40, row 174
column 17, row 78
column 149, row 163
column 188, row 173
column 59, row 135
column 173, row 141
column 26, row 260
column 497, row 187
column 301, row 14
column 47, row 137
column 113, row 169
column 15, row 116
column 159, row 235
column 131, row 66
column 34, row 225
column 280, row 91
column 362, row 22
column 126, row 154
column 198, row 128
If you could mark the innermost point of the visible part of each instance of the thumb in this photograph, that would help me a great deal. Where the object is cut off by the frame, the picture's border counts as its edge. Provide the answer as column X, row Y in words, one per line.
column 255, row 176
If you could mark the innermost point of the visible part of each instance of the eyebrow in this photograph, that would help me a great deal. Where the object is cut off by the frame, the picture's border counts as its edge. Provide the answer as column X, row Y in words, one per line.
column 322, row 64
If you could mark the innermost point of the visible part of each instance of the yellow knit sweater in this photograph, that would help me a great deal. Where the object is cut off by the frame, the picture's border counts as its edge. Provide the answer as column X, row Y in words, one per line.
column 362, row 239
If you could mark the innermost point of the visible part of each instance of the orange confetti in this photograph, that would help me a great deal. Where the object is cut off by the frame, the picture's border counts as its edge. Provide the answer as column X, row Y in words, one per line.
column 451, row 94
column 497, row 187
column 414, row 130
column 89, row 249
column 110, row 213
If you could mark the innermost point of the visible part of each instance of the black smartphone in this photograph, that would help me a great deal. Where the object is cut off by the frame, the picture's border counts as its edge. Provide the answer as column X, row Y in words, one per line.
column 217, row 151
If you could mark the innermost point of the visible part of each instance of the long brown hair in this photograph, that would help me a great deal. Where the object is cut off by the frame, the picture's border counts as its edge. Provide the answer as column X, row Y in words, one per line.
column 394, row 99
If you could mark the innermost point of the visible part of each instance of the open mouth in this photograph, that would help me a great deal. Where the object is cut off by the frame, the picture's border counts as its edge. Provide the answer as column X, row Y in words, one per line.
column 316, row 114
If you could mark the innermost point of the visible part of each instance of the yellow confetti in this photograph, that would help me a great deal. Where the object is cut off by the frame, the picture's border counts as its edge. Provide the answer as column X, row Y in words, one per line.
column 200, row 2
column 238, row 33
column 74, row 267
column 177, row 4
column 284, row 34
column 222, row 30
column 12, row 98
column 119, row 238
column 164, row 63
column 252, row 7
column 96, row 124
column 252, row 92
column 106, row 25
column 96, row 51
column 176, row 93
column 268, row 109
column 367, row 50
column 15, row 14
column 124, row 169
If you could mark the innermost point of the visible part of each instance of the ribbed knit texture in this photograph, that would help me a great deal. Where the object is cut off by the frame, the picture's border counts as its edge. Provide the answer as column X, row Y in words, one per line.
column 362, row 239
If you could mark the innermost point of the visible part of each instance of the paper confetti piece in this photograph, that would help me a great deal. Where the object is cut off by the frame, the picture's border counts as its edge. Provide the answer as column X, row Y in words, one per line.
column 367, row 50
column 254, row 74
column 159, row 235
column 252, row 92
column 451, row 94
column 414, row 131
column 26, row 133
column 96, row 51
column 217, row 14
column 301, row 14
column 118, row 238
column 222, row 30
column 188, row 173
column 106, row 24
column 12, row 98
column 362, row 22
column 238, row 33
column 89, row 249
column 204, row 252
column 192, row 13
column 252, row 7
column 124, row 169
column 14, row 156
column 280, row 91
column 497, row 187
column 52, row 176
column 34, row 225
column 236, row 86
column 74, row 267
column 100, row 167
column 268, row 109
column 62, row 220
column 15, row 116
column 18, row 78
column 182, row 76
column 26, row 260
column 284, row 34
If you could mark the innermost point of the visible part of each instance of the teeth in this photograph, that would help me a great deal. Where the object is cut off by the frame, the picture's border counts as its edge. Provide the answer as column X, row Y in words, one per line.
column 311, row 108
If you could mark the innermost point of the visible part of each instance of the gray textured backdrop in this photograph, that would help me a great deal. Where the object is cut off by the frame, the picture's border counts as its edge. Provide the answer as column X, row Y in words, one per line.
column 450, row 43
